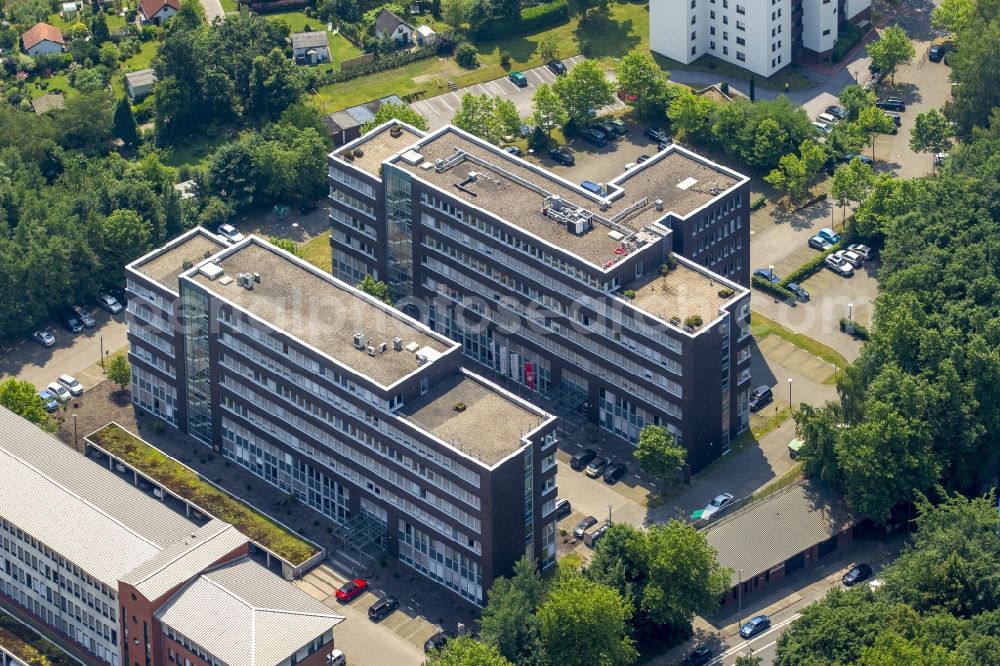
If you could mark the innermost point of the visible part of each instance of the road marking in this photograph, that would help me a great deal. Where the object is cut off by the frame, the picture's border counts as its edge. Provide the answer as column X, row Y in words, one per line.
column 738, row 648
column 538, row 75
column 500, row 90
column 441, row 99
column 485, row 92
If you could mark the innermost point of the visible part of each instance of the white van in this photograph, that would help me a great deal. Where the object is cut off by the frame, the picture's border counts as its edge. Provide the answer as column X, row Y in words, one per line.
column 336, row 658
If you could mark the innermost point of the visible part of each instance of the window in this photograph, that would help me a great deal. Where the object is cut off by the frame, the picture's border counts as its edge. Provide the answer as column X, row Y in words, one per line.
column 740, row 9
column 694, row 19
column 711, row 30
column 711, row 45
column 827, row 31
column 725, row 19
column 694, row 49
column 725, row 36
column 740, row 56
column 711, row 15
column 741, row 41
column 725, row 50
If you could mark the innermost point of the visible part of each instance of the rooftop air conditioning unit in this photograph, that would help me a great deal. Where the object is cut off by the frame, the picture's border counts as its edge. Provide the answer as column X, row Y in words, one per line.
column 371, row 350
column 382, row 347
column 396, row 131
column 359, row 341
column 658, row 204
column 256, row 278
column 397, row 344
column 421, row 359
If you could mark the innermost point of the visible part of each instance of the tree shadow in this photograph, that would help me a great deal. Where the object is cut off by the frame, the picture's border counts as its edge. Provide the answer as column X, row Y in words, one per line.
column 915, row 17
column 605, row 37
column 800, row 219
column 908, row 92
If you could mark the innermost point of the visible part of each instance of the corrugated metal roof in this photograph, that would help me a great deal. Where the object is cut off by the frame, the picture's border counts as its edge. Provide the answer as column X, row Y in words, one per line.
column 245, row 615
column 78, row 508
column 765, row 534
column 184, row 559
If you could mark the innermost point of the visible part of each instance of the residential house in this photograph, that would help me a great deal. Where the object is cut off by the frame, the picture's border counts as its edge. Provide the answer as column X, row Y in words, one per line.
column 157, row 11
column 43, row 38
column 311, row 47
column 390, row 26
column 139, row 84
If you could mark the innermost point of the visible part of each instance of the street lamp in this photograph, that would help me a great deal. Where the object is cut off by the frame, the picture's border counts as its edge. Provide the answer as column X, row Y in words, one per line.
column 74, row 432
column 789, row 391
column 102, row 354
column 771, row 269
column 609, row 514
column 739, row 603
column 850, row 312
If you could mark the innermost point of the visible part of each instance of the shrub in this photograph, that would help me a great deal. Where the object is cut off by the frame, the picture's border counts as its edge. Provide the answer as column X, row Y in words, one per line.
column 459, row 407
column 726, row 293
column 277, row 6
column 505, row 59
column 758, row 202
column 811, row 266
column 848, row 35
column 694, row 321
column 629, row 294
column 853, row 328
column 773, row 289
column 532, row 18
column 669, row 264
column 465, row 56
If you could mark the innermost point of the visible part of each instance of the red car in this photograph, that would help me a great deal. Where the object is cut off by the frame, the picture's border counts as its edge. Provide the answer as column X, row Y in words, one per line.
column 351, row 589
column 628, row 98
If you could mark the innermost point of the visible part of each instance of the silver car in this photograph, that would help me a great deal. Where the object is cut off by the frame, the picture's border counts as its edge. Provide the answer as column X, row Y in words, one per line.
column 109, row 303
column 839, row 265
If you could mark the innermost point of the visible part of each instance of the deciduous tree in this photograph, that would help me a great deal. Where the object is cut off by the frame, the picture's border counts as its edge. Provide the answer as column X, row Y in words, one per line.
column 120, row 371
column 892, row 49
column 953, row 15
column 125, row 236
column 658, row 453
column 508, row 621
column 931, row 133
column 391, row 111
column 851, row 183
column 855, row 99
column 466, row 651
column 549, row 110
column 873, row 121
column 21, row 398
column 691, row 115
column 376, row 288
column 584, row 90
column 641, row 79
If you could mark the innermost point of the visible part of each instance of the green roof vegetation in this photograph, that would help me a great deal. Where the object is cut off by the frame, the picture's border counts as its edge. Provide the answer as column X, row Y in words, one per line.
column 28, row 646
column 185, row 483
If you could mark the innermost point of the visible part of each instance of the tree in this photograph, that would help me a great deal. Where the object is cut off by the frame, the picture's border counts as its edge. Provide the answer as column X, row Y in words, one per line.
column 453, row 13
column 231, row 172
column 583, row 623
column 466, row 651
column 583, row 90
column 658, row 453
column 508, row 620
column 548, row 47
column 856, row 99
column 124, row 123
column 953, row 15
column 99, row 32
column 486, row 117
column 873, row 121
column 124, row 237
column 748, row 660
column 641, row 79
column 851, row 183
column 892, row 49
column 691, row 115
column 376, row 288
column 466, row 56
column 22, row 399
column 275, row 83
column 120, row 371
column 976, row 68
column 549, row 109
column 402, row 112
column 285, row 244
column 507, row 9
column 931, row 133
column 795, row 173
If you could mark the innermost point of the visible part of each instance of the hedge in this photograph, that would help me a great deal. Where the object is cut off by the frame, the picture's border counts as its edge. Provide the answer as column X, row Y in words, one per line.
column 771, row 288
column 393, row 61
column 274, row 6
column 758, row 202
column 811, row 266
column 853, row 328
column 531, row 18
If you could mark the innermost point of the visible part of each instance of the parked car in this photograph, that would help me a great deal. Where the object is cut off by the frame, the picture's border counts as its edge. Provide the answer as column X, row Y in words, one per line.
column 84, row 316
column 590, row 539
column 794, row 447
column 767, row 274
column 119, row 295
column 519, row 79
column 381, row 608
column 594, row 137
column 853, row 258
column 800, row 293
column 839, row 265
column 857, row 574
column 643, row 158
column 614, row 472
column 827, row 118
column 754, row 626
column 563, row 507
column 109, row 303
column 896, row 118
column 74, row 387
column 71, row 322
column 891, row 104
column 582, row 459
column 583, row 526
column 230, row 234
column 336, row 658
column 936, row 54
column 656, row 134
column 435, row 642
column 863, row 251
column 717, row 505
column 44, row 338
column 597, row 467
column 609, row 131
column 939, row 158
column 817, row 242
column 49, row 400
column 60, row 392
column 760, row 397
column 699, row 657
column 556, row 67
column 864, row 158
column 821, row 126
column 836, row 111
column 513, row 150
column 352, row 589
column 830, row 235
column 562, row 155
column 618, row 125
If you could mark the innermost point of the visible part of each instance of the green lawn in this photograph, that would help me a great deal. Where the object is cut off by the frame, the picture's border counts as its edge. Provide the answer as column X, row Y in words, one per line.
column 318, row 252
column 196, row 152
column 142, row 59
column 229, row 5
column 761, row 327
column 341, row 49
column 57, row 81
column 297, row 21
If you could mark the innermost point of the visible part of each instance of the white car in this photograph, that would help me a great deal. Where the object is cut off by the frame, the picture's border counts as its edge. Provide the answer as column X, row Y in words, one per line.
column 74, row 387
column 230, row 233
column 60, row 392
column 852, row 258
column 821, row 126
column 716, row 505
column 839, row 265
column 863, row 251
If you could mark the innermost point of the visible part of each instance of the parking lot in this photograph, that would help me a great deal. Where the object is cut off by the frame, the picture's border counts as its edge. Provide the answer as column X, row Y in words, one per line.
column 441, row 109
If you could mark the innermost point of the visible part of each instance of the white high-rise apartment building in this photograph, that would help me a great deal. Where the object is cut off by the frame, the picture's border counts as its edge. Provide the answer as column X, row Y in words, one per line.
column 762, row 36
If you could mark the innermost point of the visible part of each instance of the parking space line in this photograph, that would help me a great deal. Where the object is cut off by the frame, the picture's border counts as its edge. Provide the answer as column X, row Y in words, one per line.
column 485, row 92
column 537, row 75
column 433, row 108
column 500, row 90
column 440, row 98
column 458, row 100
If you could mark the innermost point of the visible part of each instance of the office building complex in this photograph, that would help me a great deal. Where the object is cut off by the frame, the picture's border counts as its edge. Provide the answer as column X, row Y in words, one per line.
column 762, row 36
column 627, row 304
column 129, row 582
column 363, row 413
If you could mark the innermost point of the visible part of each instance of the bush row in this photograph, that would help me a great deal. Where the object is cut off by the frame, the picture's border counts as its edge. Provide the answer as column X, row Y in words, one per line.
column 853, row 328
column 773, row 289
column 811, row 266
column 392, row 61
column 274, row 6
column 531, row 18
column 758, row 202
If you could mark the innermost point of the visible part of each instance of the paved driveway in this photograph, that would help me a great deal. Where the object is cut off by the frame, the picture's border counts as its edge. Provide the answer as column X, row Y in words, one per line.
column 441, row 109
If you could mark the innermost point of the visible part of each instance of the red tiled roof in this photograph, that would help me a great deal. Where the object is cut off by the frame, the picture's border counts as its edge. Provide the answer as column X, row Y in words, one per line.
column 151, row 7
column 41, row 32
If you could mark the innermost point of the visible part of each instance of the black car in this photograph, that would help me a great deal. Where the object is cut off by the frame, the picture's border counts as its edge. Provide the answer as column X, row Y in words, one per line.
column 562, row 156
column 614, row 471
column 381, row 608
column 513, row 150
column 606, row 128
column 656, row 134
column 936, row 54
column 582, row 459
column 837, row 112
column 120, row 295
column 800, row 293
column 307, row 207
column 435, row 642
column 755, row 625
column 563, row 507
column 767, row 274
column 583, row 526
column 891, row 104
column 642, row 158
column 595, row 137
column 72, row 322
column 760, row 397
column 858, row 574
column 556, row 66
column 84, row 316
column 699, row 657
column 896, row 118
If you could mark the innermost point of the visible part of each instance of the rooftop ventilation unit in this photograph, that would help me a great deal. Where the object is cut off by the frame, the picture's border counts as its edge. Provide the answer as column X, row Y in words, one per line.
column 576, row 226
column 256, row 278
column 359, row 340
column 245, row 280
column 371, row 350
column 421, row 359
column 397, row 344
column 382, row 347
column 395, row 131
column 412, row 157
column 210, row 270
column 658, row 204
